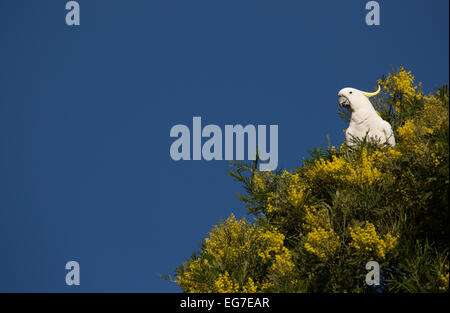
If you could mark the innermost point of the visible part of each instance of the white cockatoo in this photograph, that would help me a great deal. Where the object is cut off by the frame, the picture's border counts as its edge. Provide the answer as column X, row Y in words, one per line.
column 364, row 119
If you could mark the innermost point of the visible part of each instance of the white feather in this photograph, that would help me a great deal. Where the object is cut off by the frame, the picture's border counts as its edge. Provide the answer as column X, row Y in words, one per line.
column 364, row 119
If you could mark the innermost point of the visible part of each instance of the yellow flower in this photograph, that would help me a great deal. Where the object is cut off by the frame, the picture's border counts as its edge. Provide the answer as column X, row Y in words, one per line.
column 230, row 245
column 250, row 287
column 316, row 218
column 323, row 243
column 367, row 240
column 266, row 286
column 361, row 170
column 292, row 194
column 188, row 281
column 219, row 242
column 444, row 280
column 386, row 154
column 407, row 131
column 224, row 284
column 260, row 181
column 415, row 134
column 272, row 244
column 399, row 86
column 283, row 263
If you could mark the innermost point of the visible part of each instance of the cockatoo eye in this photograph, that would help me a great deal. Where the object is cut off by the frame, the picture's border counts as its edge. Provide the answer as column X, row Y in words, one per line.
column 350, row 92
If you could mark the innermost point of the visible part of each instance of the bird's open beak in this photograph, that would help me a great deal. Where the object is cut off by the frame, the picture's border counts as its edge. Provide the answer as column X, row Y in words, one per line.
column 343, row 102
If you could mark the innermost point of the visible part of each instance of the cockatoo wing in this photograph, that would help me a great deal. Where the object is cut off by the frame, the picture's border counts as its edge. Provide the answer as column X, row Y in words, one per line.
column 389, row 134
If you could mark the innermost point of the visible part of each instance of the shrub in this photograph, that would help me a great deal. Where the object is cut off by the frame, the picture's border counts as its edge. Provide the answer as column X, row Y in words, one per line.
column 317, row 226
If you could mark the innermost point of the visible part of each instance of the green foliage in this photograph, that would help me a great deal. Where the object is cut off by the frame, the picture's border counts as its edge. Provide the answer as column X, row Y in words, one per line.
column 316, row 227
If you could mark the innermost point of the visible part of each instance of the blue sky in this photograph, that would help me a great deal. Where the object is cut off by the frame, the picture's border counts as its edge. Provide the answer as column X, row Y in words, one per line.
column 85, row 115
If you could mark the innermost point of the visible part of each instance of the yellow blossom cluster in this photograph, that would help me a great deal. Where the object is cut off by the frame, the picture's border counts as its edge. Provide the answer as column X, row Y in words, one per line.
column 400, row 86
column 225, row 284
column 431, row 120
column 315, row 218
column 444, row 280
column 366, row 240
column 260, row 181
column 228, row 240
column 190, row 279
column 366, row 172
column 250, row 287
column 293, row 192
column 407, row 131
column 415, row 133
column 435, row 156
column 283, row 263
column 230, row 245
column 362, row 170
column 433, row 115
column 272, row 244
column 322, row 242
column 385, row 154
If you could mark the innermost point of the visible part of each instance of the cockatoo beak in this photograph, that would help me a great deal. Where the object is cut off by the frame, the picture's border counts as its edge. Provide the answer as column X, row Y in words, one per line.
column 343, row 101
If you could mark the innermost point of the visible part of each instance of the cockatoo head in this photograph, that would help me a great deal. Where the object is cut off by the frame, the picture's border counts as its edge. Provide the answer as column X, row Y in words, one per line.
column 354, row 99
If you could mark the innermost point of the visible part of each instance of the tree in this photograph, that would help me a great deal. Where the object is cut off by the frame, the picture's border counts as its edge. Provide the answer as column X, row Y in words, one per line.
column 317, row 226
